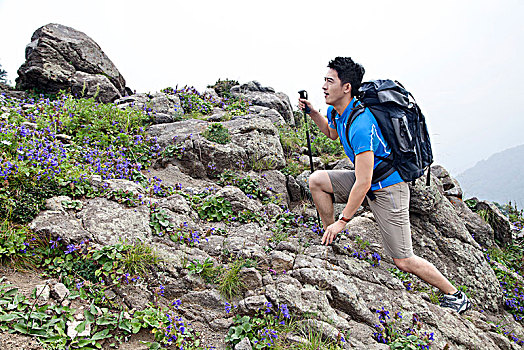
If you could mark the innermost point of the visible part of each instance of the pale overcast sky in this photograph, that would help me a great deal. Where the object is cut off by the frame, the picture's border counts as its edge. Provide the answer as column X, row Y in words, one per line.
column 461, row 59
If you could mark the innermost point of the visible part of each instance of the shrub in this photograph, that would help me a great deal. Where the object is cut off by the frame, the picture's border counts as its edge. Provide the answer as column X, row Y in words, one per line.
column 216, row 132
column 223, row 87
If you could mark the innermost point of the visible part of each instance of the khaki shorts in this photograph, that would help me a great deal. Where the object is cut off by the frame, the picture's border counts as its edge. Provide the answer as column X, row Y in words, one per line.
column 390, row 208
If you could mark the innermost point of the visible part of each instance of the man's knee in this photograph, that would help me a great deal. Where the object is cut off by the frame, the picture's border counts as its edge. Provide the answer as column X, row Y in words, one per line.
column 318, row 179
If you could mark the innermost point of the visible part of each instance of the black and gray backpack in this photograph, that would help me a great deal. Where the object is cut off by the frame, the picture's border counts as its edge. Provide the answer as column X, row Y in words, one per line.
column 403, row 126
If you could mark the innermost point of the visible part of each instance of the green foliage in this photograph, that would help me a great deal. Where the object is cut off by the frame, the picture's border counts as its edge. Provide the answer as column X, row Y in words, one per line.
column 216, row 132
column 223, row 87
column 237, row 108
column 159, row 222
column 206, row 269
column 487, row 215
column 96, row 270
column 127, row 198
column 23, row 196
column 508, row 265
column 36, row 164
column 167, row 326
column 139, row 258
column 48, row 323
column 215, row 208
column 72, row 205
column 17, row 244
column 259, row 162
column 248, row 185
column 261, row 330
column 399, row 335
column 471, row 203
column 175, row 150
column 192, row 101
column 230, row 284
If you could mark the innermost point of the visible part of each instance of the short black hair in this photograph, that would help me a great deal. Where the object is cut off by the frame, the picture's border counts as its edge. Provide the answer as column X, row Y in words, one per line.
column 348, row 72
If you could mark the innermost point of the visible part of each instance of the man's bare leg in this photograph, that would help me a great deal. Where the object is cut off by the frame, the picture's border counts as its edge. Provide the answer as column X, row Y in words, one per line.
column 425, row 271
column 321, row 190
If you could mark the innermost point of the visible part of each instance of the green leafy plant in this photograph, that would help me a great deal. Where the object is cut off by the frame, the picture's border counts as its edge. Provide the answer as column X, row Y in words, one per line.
column 393, row 331
column 215, row 209
column 159, row 222
column 262, row 329
column 73, row 205
column 127, row 198
column 205, row 269
column 216, row 132
column 17, row 244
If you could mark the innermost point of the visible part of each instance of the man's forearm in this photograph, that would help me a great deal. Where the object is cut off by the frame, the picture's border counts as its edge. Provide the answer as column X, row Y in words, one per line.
column 356, row 197
column 321, row 122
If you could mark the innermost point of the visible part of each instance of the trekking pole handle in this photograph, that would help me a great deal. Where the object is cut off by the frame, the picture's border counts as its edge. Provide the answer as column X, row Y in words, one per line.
column 303, row 95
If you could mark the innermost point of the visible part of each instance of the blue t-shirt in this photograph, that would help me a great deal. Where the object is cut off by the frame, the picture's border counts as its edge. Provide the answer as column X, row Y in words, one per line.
column 364, row 135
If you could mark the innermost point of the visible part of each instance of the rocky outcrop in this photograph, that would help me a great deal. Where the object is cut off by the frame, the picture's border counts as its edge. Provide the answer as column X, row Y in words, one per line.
column 255, row 144
column 333, row 283
column 165, row 108
column 259, row 95
column 63, row 58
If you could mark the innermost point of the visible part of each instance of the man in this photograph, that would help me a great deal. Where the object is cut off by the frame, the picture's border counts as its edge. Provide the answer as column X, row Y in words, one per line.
column 391, row 203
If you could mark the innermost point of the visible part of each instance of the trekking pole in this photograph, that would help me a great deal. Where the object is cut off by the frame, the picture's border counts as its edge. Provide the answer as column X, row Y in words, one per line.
column 303, row 95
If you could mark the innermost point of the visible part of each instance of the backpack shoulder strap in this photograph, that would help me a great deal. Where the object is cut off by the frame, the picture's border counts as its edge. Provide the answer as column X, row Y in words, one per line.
column 333, row 115
column 355, row 112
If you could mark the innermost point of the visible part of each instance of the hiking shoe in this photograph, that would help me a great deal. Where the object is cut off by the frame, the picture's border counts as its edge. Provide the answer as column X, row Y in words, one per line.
column 458, row 301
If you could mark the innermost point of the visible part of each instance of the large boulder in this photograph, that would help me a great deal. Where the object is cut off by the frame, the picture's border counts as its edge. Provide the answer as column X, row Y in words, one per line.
column 259, row 95
column 63, row 58
column 255, row 144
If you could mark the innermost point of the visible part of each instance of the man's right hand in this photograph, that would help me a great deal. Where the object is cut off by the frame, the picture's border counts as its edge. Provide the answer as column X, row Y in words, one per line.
column 303, row 103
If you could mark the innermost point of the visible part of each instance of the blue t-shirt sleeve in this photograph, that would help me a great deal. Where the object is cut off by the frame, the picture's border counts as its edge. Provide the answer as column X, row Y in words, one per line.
column 330, row 121
column 363, row 134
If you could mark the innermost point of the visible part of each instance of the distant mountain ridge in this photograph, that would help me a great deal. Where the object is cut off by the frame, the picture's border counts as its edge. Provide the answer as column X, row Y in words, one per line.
column 499, row 178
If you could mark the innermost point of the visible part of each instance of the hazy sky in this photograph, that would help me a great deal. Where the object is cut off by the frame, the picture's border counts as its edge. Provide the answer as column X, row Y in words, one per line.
column 463, row 60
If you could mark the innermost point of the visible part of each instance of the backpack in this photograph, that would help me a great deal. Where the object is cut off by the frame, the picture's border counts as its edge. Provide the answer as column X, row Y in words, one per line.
column 403, row 126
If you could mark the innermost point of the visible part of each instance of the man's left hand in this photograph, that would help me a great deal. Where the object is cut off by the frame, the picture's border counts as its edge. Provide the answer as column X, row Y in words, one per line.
column 332, row 231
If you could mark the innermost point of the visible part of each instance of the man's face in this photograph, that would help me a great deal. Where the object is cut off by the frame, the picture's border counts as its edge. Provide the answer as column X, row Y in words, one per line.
column 334, row 91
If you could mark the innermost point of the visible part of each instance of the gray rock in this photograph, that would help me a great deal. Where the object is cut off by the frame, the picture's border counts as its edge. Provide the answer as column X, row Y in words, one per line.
column 238, row 199
column 60, row 291
column 251, row 278
column 72, row 333
column 251, row 305
column 93, row 85
column 265, row 96
column 244, row 344
column 110, row 223
column 294, row 189
column 498, row 221
column 60, row 58
column 281, row 262
column 450, row 186
column 344, row 163
column 477, row 227
column 43, row 292
column 255, row 144
column 317, row 161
